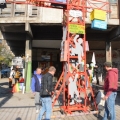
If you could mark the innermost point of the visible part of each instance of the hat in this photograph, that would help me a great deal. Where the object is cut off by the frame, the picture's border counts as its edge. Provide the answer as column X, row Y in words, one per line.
column 108, row 64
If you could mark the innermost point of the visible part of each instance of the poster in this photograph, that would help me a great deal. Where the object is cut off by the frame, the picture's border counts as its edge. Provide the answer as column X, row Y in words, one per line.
column 79, row 29
column 17, row 61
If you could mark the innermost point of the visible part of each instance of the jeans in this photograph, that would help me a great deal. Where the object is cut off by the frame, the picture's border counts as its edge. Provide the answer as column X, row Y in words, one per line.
column 110, row 107
column 46, row 107
column 37, row 100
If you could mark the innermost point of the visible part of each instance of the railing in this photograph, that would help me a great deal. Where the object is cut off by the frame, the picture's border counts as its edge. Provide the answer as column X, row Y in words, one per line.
column 26, row 10
column 21, row 10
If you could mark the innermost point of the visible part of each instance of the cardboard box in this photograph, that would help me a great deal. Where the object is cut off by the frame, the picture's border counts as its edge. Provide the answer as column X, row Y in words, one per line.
column 99, row 24
column 98, row 14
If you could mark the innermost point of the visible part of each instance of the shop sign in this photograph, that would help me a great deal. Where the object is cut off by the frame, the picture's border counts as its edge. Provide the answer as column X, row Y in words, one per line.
column 17, row 61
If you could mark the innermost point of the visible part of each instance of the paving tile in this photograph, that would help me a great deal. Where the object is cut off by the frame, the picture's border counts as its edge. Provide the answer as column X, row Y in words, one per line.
column 20, row 106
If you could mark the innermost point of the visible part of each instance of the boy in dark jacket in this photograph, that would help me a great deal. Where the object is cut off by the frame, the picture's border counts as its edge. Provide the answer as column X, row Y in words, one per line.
column 46, row 93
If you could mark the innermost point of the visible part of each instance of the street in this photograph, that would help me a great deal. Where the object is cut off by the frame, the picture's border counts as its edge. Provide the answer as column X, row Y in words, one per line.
column 20, row 106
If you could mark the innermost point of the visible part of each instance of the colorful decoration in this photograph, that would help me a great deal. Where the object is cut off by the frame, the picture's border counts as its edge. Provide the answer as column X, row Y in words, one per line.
column 98, row 24
column 98, row 14
column 17, row 87
column 98, row 18
column 76, row 28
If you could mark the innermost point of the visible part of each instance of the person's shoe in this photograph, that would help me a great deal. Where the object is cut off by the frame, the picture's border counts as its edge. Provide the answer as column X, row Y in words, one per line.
column 79, row 100
column 37, row 111
column 72, row 103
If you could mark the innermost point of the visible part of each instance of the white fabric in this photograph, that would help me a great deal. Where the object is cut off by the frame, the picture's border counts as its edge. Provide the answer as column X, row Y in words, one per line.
column 73, row 86
column 93, row 59
column 78, row 48
column 99, row 96
column 11, row 74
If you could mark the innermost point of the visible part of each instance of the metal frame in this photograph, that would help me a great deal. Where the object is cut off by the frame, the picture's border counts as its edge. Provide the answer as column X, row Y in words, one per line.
column 80, row 5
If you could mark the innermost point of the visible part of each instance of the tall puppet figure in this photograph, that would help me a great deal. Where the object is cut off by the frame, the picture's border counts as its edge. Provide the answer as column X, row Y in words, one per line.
column 78, row 48
column 73, row 89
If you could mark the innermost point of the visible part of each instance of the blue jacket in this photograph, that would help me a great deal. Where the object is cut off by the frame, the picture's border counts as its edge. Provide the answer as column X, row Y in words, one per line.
column 34, row 88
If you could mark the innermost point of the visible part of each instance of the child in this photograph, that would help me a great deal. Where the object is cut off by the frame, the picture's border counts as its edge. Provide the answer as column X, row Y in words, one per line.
column 98, row 95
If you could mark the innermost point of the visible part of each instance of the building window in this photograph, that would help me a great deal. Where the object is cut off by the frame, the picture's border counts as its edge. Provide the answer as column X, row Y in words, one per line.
column 113, row 1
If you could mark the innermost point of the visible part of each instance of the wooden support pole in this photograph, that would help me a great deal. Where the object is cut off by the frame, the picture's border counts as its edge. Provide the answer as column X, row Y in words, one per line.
column 108, row 51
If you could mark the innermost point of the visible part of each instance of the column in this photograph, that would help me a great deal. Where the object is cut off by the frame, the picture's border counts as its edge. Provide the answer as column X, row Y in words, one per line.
column 1, row 35
column 28, row 55
column 2, row 42
column 108, row 51
column 28, row 65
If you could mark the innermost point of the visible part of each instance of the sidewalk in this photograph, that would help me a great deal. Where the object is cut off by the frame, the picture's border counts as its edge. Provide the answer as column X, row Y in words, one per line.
column 20, row 106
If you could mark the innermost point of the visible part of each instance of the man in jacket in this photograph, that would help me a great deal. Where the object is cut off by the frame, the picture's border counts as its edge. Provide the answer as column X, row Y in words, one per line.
column 110, row 89
column 46, row 93
column 35, row 86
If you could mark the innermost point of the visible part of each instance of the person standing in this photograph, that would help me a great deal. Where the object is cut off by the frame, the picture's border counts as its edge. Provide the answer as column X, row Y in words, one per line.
column 97, row 73
column 110, row 89
column 17, row 75
column 11, row 77
column 46, row 93
column 35, row 87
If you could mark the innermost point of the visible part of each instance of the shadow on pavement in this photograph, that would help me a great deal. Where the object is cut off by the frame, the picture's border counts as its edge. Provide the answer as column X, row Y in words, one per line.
column 19, row 107
column 5, row 93
column 18, row 118
column 99, row 117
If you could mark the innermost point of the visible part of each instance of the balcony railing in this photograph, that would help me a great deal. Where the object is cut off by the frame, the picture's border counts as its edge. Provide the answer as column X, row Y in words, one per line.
column 26, row 10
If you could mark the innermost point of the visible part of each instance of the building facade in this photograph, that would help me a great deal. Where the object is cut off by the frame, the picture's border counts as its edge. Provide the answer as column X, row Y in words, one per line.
column 36, row 32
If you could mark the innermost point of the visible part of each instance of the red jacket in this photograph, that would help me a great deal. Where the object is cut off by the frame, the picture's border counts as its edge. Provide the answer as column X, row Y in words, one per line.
column 111, row 81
